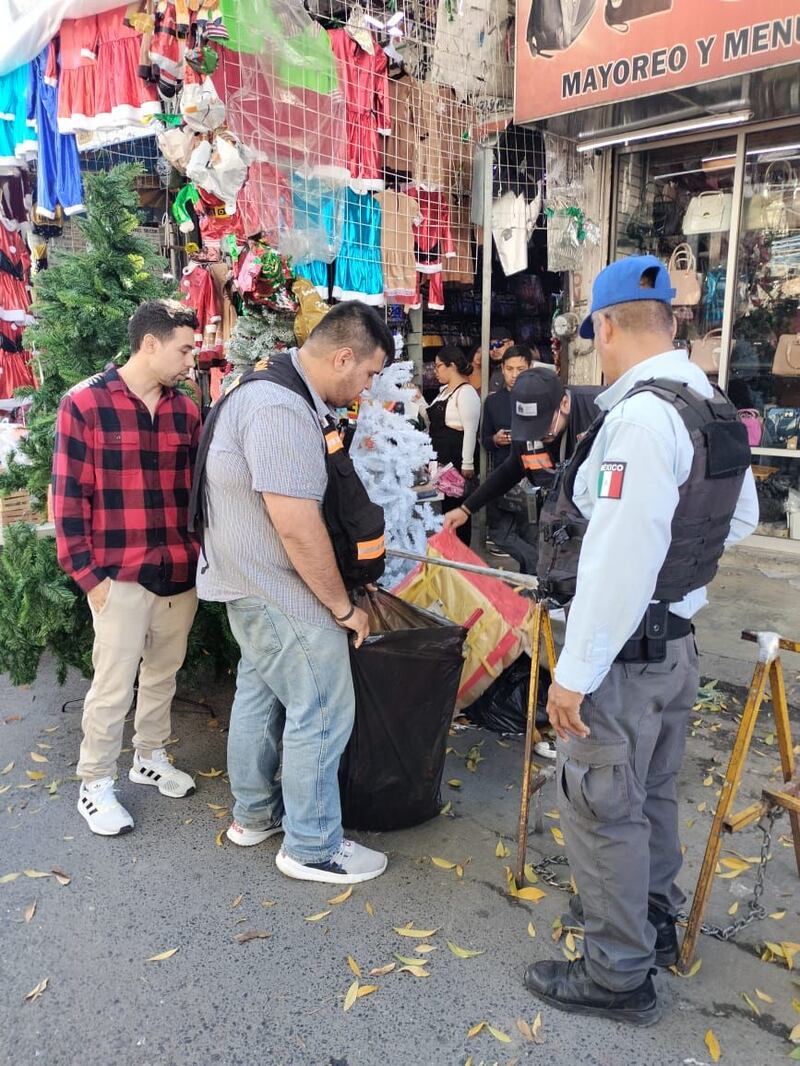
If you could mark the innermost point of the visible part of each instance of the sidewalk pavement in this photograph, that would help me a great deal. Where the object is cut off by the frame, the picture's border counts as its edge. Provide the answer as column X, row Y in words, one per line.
column 175, row 883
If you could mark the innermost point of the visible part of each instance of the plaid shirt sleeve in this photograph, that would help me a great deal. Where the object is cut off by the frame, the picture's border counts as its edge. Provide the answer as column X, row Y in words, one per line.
column 73, row 488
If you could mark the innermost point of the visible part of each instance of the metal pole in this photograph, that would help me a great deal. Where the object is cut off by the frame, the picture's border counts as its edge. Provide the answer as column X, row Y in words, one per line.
column 527, row 581
column 486, row 304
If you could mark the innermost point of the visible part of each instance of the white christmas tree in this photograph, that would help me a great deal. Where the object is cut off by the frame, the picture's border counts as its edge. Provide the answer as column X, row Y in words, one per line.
column 388, row 451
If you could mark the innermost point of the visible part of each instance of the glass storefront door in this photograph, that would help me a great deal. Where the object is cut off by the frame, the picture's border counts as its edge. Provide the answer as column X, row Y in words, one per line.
column 724, row 215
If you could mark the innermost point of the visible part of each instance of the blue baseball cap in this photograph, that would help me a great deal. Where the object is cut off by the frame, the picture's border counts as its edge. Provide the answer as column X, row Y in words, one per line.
column 639, row 277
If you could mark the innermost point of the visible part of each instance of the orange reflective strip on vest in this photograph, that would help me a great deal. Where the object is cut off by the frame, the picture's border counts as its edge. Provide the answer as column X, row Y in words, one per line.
column 537, row 461
column 371, row 549
column 333, row 442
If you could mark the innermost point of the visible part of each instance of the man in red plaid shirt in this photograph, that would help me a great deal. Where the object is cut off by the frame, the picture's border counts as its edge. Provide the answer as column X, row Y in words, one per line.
column 126, row 442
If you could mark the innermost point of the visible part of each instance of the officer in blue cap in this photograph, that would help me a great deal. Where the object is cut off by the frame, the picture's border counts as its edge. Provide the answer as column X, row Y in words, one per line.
column 630, row 536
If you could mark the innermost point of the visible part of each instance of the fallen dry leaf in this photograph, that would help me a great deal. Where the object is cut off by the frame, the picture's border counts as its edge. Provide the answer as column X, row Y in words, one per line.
column 267, row 902
column 753, row 1007
column 354, row 967
column 369, row 909
column 446, row 808
column 530, row 873
column 317, row 917
column 7, row 878
column 707, row 781
column 5, row 788
column 407, row 961
column 216, row 806
column 8, row 768
column 60, row 876
column 252, row 934
column 462, row 953
column 29, row 912
column 352, row 996
column 778, row 915
column 531, row 929
column 734, row 907
column 536, row 1027
column 219, row 838
column 794, row 1036
column 454, row 782
column 366, row 990
column 36, row 991
column 381, row 971
column 210, row 773
column 443, row 864
column 558, row 836
column 498, row 1034
column 425, row 949
column 162, row 955
column 237, row 901
column 476, row 1029
column 415, row 971
column 764, row 997
column 712, row 1044
column 501, row 851
column 525, row 1029
column 531, row 893
column 35, row 775
column 38, row 757
column 408, row 930
column 342, row 897
column 36, row 873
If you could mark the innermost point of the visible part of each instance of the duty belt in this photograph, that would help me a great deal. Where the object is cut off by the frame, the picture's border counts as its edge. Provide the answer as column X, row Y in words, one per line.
column 648, row 644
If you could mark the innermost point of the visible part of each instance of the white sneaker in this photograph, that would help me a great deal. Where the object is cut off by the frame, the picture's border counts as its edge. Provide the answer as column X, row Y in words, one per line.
column 159, row 771
column 246, row 838
column 101, row 809
column 545, row 749
column 351, row 864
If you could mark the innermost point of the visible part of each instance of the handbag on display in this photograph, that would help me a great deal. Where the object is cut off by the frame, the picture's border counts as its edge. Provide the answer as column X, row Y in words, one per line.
column 714, row 297
column 786, row 363
column 781, row 428
column 553, row 25
column 709, row 212
column 706, row 351
column 683, row 277
column 754, row 424
column 667, row 211
column 620, row 12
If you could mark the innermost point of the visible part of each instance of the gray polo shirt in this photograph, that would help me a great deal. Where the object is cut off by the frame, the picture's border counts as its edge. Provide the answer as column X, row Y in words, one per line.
column 266, row 439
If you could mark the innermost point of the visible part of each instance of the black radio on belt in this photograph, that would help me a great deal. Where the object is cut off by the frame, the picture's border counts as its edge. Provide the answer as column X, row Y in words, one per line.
column 648, row 643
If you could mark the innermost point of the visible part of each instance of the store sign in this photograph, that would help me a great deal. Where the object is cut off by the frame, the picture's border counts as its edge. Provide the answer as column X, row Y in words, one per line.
column 576, row 54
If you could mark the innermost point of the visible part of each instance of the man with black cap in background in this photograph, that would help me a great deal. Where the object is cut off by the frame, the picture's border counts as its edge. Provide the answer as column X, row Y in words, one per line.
column 631, row 534
column 546, row 423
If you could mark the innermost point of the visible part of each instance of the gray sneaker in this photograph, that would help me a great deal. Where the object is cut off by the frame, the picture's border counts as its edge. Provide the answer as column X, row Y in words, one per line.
column 351, row 864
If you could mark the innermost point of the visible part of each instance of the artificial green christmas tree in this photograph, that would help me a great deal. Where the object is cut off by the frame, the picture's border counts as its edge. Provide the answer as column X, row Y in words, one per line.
column 82, row 305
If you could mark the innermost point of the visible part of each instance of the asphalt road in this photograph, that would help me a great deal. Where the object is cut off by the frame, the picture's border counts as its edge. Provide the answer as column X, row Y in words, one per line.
column 279, row 1000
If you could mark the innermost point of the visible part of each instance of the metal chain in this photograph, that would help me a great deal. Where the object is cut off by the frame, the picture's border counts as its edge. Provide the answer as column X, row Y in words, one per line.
column 755, row 911
column 542, row 869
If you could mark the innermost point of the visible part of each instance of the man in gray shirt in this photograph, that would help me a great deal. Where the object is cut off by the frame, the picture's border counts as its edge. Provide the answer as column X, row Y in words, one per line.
column 268, row 556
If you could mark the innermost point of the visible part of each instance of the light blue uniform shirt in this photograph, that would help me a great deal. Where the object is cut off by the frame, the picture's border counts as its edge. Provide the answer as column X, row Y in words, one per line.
column 628, row 537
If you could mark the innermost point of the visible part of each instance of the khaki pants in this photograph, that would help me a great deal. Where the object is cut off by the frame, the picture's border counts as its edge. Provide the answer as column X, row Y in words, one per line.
column 135, row 626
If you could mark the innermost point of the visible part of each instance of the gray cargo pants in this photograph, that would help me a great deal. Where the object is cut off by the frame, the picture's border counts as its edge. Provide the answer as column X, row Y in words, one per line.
column 617, row 795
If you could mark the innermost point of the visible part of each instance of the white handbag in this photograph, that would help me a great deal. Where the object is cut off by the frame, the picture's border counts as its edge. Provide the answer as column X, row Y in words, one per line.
column 706, row 351
column 709, row 212
column 683, row 277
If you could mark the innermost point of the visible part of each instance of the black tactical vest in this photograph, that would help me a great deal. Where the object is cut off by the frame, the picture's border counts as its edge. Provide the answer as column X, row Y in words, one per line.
column 354, row 522
column 702, row 519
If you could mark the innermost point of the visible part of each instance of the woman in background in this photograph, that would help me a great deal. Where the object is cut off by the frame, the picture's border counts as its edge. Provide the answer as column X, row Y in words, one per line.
column 454, row 417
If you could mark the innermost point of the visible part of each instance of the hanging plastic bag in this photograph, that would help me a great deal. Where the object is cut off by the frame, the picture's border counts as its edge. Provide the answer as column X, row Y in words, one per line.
column 503, row 707
column 406, row 676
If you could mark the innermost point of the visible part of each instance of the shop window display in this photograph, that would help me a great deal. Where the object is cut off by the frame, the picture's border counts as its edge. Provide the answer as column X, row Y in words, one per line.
column 676, row 203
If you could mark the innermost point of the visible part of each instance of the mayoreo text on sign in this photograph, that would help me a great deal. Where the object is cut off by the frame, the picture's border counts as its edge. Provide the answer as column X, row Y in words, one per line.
column 575, row 54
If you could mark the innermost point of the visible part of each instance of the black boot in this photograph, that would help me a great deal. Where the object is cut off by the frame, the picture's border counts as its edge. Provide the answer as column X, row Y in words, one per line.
column 663, row 923
column 567, row 986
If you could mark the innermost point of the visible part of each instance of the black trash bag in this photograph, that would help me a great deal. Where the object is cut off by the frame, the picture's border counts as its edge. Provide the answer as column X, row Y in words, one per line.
column 503, row 707
column 406, row 676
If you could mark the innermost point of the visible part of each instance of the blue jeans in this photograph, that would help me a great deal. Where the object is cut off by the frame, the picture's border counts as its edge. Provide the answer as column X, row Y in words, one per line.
column 293, row 687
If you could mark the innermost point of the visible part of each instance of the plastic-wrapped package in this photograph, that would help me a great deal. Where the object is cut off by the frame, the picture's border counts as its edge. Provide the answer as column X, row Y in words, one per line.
column 406, row 676
column 277, row 75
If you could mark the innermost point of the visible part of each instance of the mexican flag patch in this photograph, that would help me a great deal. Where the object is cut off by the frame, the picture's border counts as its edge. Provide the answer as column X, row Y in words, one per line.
column 609, row 481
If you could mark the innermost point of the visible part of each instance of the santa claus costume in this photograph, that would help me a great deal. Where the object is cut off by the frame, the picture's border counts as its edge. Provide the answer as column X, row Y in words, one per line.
column 363, row 78
column 122, row 97
column 78, row 77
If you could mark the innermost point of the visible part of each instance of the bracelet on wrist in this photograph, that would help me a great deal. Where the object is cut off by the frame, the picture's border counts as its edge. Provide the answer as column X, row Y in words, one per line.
column 345, row 617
